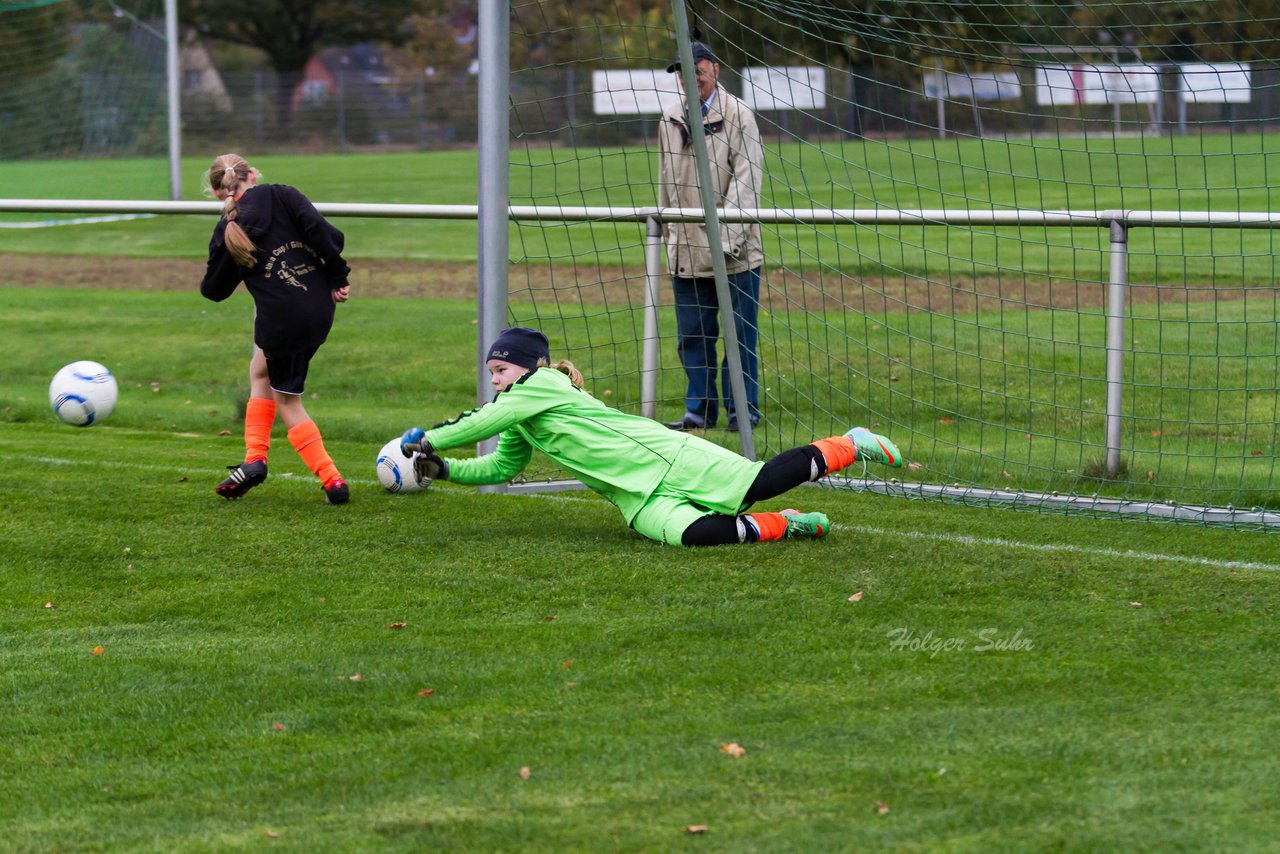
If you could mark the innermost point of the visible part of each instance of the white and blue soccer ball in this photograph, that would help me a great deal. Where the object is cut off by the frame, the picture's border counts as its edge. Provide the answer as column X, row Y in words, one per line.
column 83, row 393
column 395, row 470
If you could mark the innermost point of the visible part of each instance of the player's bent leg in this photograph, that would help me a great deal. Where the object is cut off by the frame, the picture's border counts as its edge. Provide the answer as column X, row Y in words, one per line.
column 306, row 440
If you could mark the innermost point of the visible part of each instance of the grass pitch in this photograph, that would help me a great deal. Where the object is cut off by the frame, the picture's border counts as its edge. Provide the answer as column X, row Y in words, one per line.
column 458, row 671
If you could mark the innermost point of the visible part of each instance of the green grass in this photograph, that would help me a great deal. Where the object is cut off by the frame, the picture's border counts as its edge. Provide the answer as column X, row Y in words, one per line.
column 1095, row 736
column 1183, row 173
column 1009, row 681
column 1015, row 401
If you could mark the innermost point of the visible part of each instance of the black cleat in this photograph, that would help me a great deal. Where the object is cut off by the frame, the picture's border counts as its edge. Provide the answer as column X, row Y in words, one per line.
column 337, row 492
column 243, row 478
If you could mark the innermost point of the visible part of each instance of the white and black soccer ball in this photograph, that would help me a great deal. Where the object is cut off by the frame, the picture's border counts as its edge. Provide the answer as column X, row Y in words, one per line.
column 83, row 393
column 395, row 470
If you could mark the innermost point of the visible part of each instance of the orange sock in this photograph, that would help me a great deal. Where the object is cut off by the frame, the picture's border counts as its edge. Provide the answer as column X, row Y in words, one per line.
column 838, row 451
column 772, row 526
column 259, row 415
column 305, row 438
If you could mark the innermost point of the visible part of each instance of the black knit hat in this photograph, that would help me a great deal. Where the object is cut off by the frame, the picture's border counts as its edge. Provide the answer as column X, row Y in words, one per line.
column 700, row 52
column 521, row 346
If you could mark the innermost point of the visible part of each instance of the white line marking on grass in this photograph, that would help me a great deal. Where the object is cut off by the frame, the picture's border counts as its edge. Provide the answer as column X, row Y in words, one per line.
column 80, row 220
column 955, row 539
column 1000, row 542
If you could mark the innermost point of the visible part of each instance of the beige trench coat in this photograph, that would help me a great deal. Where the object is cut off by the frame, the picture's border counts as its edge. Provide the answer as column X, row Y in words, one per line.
column 737, row 157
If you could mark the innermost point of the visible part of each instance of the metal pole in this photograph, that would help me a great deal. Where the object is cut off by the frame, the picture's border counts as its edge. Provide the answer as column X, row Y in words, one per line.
column 942, row 105
column 259, row 103
column 649, row 352
column 728, row 323
column 1115, row 341
column 342, row 114
column 174, row 73
column 493, row 193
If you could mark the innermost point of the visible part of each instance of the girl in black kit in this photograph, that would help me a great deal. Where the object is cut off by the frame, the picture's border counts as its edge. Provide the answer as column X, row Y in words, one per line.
column 290, row 258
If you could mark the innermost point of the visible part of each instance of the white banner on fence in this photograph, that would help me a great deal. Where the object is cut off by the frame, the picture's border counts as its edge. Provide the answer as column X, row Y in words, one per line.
column 785, row 88
column 616, row 93
column 974, row 86
column 1216, row 83
column 1097, row 84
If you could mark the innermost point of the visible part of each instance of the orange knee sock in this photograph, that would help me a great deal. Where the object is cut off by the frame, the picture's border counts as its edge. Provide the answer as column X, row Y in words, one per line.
column 772, row 526
column 259, row 415
column 838, row 451
column 305, row 438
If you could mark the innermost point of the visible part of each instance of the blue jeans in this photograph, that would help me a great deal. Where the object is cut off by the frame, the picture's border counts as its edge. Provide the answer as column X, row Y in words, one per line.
column 698, row 325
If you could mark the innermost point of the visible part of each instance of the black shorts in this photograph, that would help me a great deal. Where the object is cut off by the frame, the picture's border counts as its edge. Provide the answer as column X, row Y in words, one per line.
column 287, row 370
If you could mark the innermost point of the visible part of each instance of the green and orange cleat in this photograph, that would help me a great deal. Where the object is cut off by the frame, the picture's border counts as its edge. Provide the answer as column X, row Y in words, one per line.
column 872, row 447
column 806, row 526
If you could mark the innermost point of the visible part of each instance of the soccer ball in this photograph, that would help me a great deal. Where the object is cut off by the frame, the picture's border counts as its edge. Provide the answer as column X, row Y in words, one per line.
column 83, row 393
column 395, row 470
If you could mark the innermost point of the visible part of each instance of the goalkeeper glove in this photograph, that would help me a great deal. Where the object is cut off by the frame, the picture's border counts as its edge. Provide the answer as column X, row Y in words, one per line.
column 429, row 466
column 414, row 440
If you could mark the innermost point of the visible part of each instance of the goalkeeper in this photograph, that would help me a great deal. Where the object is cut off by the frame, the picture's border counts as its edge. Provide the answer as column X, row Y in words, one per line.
column 676, row 488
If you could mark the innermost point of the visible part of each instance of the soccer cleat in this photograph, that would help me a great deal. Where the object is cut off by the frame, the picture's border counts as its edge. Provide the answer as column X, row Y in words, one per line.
column 809, row 526
column 687, row 423
column 874, row 447
column 243, row 478
column 337, row 492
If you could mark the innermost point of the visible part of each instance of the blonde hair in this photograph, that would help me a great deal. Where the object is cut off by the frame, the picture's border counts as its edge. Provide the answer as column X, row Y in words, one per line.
column 229, row 173
column 565, row 367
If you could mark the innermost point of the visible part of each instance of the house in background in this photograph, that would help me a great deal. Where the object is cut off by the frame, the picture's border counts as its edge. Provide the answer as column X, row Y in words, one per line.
column 360, row 70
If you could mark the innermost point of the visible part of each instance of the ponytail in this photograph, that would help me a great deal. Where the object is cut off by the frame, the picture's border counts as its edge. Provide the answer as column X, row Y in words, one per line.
column 228, row 173
column 567, row 368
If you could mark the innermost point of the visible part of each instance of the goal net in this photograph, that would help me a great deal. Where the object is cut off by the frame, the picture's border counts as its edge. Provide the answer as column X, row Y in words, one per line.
column 1011, row 358
column 80, row 81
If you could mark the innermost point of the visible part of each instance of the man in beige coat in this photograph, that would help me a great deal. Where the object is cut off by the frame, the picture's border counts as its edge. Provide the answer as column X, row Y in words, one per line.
column 736, row 155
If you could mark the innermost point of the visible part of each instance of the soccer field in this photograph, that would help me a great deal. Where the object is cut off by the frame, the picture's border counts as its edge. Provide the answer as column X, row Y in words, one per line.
column 459, row 671
column 1220, row 173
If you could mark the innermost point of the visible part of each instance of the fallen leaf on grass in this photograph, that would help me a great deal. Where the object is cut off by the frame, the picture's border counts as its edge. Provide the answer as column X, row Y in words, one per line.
column 271, row 834
column 1151, row 476
column 97, row 650
column 355, row 677
column 396, row 625
column 915, row 466
column 278, row 727
column 857, row 597
column 733, row 749
column 946, row 422
column 1136, row 604
column 882, row 808
column 426, row 692
column 48, row 604
column 695, row 829
column 224, row 432
column 525, row 773
column 1256, row 453
column 567, row 664
column 550, row 618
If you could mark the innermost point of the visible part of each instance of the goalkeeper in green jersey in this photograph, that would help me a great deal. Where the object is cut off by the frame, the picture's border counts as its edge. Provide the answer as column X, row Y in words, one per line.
column 673, row 487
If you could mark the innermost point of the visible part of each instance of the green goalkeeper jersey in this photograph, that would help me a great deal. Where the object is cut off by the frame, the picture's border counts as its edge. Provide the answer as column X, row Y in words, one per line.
column 623, row 457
